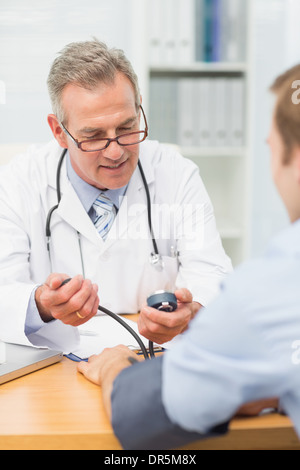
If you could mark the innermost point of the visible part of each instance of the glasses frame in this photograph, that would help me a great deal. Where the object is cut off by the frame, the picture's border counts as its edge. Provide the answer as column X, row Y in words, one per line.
column 108, row 141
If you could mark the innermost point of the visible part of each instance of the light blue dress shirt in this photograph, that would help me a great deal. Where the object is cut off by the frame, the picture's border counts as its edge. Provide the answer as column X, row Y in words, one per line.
column 244, row 346
column 87, row 195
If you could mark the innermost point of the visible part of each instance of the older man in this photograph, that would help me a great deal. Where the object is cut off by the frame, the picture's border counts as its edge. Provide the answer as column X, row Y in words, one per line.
column 120, row 215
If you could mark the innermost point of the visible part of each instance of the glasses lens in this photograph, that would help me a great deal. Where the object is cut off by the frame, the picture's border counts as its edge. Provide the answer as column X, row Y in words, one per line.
column 126, row 139
column 93, row 145
column 131, row 139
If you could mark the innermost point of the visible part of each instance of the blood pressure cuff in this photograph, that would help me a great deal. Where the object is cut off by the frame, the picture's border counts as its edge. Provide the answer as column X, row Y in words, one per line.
column 139, row 418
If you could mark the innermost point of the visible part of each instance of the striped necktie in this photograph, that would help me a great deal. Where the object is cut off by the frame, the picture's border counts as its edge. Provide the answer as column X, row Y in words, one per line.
column 105, row 214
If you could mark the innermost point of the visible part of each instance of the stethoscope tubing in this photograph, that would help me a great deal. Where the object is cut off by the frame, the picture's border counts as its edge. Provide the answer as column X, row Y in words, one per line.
column 48, row 237
column 58, row 192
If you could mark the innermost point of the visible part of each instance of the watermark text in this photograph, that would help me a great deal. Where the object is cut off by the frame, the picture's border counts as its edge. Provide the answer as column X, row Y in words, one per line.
column 296, row 94
column 296, row 353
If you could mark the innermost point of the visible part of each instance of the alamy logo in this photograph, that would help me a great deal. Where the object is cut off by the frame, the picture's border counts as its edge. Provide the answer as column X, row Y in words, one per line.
column 296, row 94
column 2, row 92
column 183, row 223
column 296, row 353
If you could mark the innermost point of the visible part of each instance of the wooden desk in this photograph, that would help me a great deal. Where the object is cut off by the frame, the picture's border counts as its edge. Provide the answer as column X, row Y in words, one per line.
column 57, row 408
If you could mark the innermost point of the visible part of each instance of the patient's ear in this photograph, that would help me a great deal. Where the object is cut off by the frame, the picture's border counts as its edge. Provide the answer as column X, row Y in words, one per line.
column 57, row 131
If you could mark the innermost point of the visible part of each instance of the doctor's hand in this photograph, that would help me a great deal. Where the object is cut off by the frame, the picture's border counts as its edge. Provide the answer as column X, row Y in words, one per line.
column 74, row 303
column 160, row 327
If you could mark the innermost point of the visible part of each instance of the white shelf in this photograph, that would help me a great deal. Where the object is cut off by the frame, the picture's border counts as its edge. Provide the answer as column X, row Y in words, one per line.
column 212, row 152
column 224, row 170
column 198, row 67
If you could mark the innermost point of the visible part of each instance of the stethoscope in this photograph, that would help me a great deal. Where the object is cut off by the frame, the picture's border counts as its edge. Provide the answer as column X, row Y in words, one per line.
column 155, row 258
column 167, row 300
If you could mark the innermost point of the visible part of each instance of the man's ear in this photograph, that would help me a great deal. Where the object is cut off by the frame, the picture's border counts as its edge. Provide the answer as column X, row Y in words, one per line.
column 57, row 131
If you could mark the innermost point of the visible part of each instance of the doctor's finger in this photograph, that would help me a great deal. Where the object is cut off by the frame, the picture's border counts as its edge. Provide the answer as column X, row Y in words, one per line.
column 184, row 295
column 176, row 319
column 158, row 331
column 70, row 288
column 61, row 295
column 89, row 309
column 82, row 302
column 73, row 295
column 55, row 280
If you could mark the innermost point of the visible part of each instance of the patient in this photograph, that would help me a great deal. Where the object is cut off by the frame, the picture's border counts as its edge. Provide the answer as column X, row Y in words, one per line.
column 239, row 350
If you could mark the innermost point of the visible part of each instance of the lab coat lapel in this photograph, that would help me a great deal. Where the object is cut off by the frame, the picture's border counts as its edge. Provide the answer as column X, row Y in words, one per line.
column 131, row 218
column 131, row 211
column 72, row 211
column 70, row 208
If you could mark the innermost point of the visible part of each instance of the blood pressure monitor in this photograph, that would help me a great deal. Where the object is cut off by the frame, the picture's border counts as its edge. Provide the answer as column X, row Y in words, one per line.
column 163, row 300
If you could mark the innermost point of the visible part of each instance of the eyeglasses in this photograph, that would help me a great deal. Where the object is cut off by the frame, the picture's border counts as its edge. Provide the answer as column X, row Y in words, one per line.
column 95, row 145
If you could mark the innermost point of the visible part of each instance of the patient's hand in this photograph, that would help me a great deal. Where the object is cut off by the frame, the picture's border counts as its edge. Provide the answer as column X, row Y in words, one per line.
column 256, row 407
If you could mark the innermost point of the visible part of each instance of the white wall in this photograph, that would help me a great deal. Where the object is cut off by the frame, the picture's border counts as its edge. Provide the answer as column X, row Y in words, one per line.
column 275, row 47
column 32, row 32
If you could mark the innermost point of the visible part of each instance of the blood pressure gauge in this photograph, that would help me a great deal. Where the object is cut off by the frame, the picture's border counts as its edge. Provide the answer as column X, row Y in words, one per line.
column 163, row 300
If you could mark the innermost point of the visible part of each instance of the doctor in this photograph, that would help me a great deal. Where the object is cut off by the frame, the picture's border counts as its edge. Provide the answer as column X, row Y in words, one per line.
column 100, row 158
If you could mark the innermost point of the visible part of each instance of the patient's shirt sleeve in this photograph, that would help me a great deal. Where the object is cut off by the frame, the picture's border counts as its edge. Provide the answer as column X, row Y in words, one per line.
column 139, row 418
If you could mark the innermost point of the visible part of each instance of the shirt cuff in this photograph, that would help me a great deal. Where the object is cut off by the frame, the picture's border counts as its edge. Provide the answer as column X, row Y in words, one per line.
column 139, row 418
column 33, row 321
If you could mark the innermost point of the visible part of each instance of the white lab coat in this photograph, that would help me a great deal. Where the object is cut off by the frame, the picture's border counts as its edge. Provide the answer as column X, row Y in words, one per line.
column 120, row 265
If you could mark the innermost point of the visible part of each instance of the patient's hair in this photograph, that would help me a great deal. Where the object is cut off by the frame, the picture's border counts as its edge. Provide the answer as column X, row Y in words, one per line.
column 87, row 64
column 287, row 110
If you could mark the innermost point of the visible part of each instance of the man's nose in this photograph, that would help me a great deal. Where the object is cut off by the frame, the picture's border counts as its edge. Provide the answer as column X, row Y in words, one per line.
column 113, row 151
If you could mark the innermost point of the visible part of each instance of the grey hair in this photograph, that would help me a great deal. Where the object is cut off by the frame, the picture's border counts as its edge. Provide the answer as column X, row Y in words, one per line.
column 87, row 64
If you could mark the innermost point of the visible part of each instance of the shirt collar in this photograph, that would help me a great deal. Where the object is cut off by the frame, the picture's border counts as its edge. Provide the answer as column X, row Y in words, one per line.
column 88, row 193
column 287, row 241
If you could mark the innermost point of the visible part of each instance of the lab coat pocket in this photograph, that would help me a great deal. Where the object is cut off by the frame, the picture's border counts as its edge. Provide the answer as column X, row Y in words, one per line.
column 154, row 279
